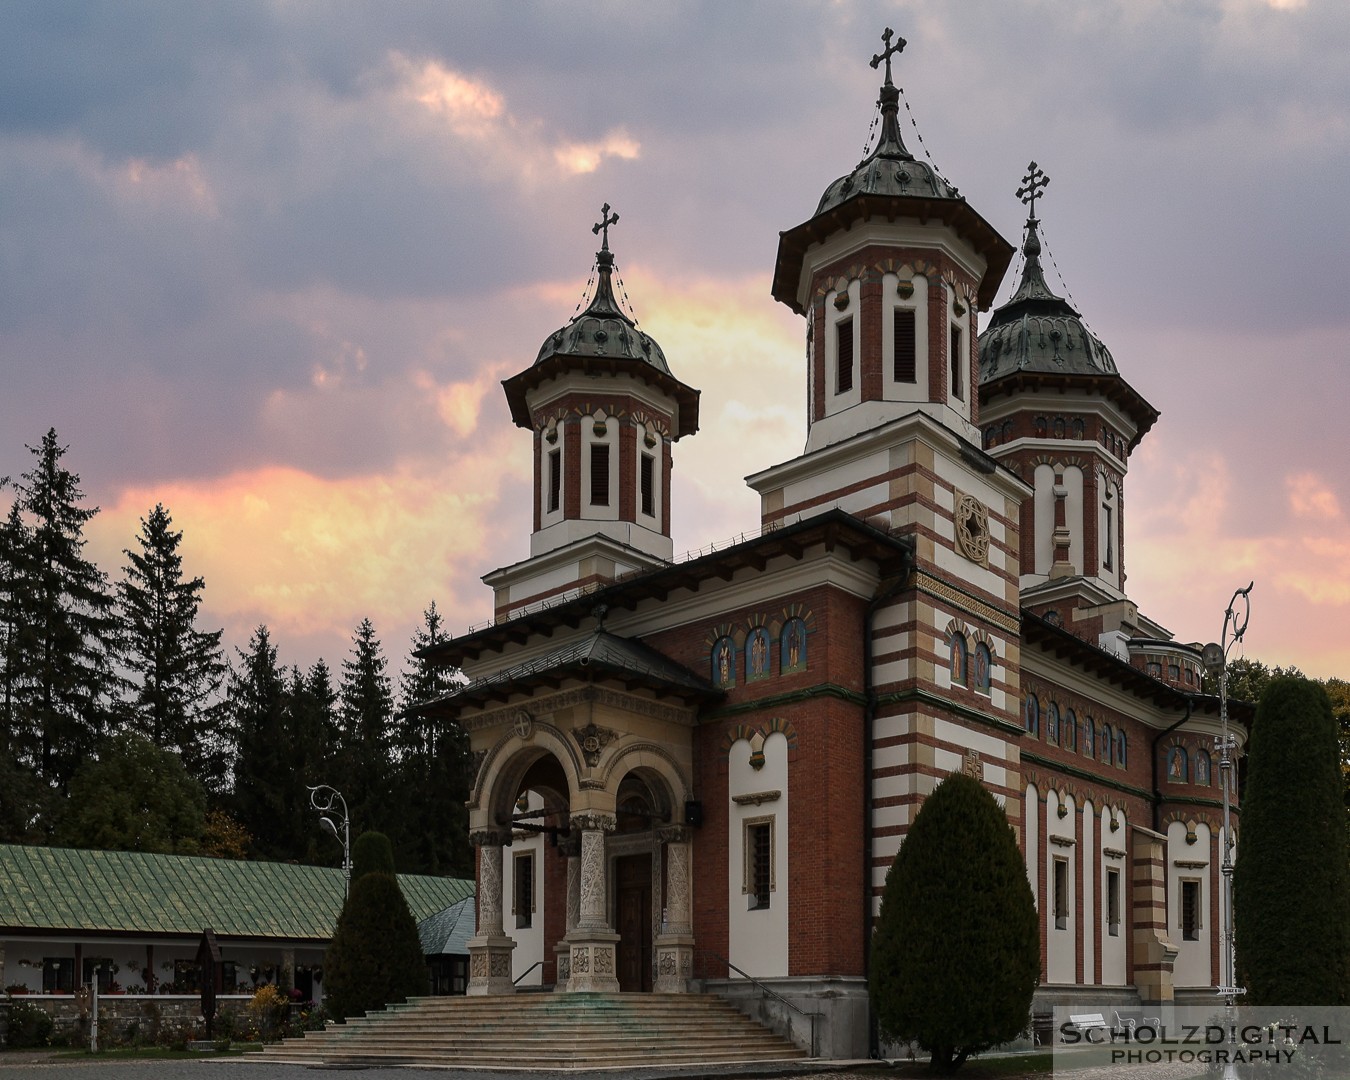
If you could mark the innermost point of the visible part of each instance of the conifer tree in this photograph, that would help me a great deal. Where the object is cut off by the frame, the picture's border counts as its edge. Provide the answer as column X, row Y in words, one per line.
column 176, row 669
column 1291, row 883
column 434, row 766
column 65, row 684
column 263, row 771
column 366, row 711
column 15, row 578
column 311, row 733
column 375, row 957
column 956, row 953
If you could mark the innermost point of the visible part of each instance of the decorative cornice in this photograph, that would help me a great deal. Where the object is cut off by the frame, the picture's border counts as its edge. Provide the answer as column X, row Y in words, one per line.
column 1083, row 774
column 491, row 837
column 1009, row 623
column 1063, row 841
column 774, row 701
column 927, row 697
column 1191, row 864
column 588, row 819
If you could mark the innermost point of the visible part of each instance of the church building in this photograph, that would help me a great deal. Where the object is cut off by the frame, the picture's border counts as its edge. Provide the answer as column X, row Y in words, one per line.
column 693, row 775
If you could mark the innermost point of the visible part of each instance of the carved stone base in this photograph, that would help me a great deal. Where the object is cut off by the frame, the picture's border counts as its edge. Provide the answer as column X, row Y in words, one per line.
column 563, row 952
column 490, row 966
column 674, row 963
column 593, row 962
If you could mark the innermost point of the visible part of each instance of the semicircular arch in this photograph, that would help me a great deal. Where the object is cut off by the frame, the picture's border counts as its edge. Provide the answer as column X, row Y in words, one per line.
column 510, row 758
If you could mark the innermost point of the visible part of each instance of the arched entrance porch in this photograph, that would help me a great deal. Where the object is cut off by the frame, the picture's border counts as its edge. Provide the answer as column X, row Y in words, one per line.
column 612, row 808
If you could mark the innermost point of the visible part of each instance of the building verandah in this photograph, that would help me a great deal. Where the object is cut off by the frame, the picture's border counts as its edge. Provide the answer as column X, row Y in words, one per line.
column 603, row 773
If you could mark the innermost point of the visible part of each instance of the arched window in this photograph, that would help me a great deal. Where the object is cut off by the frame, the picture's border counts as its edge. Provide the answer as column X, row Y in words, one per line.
column 1033, row 715
column 1052, row 723
column 1202, row 768
column 1176, row 765
column 959, row 656
column 1070, row 730
column 723, row 662
column 983, row 666
column 792, row 646
column 1121, row 758
column 1107, row 742
column 757, row 654
column 1089, row 737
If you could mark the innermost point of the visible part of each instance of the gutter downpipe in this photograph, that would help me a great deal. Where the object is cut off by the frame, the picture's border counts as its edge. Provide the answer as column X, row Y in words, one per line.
column 1157, row 792
column 885, row 592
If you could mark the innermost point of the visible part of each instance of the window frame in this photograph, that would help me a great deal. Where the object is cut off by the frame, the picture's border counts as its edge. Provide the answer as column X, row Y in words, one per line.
column 759, row 881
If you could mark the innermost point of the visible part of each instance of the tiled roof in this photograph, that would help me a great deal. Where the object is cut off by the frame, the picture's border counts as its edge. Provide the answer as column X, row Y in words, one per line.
column 65, row 889
column 447, row 932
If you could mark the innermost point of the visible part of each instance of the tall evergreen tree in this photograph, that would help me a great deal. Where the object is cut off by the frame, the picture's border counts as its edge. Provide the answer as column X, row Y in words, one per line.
column 66, row 686
column 956, row 953
column 434, row 766
column 366, row 711
column 312, row 735
column 264, row 774
column 175, row 669
column 15, row 579
column 1291, row 884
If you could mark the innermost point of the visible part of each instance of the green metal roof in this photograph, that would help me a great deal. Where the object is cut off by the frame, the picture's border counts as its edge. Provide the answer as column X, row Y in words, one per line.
column 447, row 932
column 64, row 889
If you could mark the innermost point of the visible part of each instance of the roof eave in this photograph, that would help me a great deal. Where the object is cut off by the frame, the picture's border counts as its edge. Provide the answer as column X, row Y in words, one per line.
column 793, row 244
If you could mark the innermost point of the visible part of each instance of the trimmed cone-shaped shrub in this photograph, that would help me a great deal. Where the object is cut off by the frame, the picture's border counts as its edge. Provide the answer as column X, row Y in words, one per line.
column 956, row 955
column 372, row 854
column 375, row 958
column 1291, row 883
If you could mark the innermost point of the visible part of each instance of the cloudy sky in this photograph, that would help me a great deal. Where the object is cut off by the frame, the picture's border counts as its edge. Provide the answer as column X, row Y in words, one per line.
column 267, row 263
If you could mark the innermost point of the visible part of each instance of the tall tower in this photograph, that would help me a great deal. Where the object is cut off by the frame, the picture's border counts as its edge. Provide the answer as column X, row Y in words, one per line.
column 1054, row 409
column 604, row 410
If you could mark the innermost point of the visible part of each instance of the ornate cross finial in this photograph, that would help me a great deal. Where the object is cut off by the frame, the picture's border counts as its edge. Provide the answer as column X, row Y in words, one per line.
column 1033, row 184
column 606, row 220
column 889, row 51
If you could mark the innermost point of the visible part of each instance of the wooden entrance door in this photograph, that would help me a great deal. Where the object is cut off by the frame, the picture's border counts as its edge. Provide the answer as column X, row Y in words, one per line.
column 633, row 896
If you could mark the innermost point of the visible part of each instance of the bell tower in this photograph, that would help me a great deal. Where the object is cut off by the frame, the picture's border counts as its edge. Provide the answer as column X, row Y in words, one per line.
column 604, row 411
column 1055, row 410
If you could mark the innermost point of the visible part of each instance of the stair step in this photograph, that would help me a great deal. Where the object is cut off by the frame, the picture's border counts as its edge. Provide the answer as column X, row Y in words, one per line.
column 543, row 1031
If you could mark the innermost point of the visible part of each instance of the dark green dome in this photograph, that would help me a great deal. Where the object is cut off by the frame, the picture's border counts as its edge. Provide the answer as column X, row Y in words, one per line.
column 1039, row 331
column 604, row 328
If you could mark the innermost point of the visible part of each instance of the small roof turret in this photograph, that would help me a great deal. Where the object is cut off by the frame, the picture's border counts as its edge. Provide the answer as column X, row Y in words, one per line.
column 890, row 169
column 887, row 185
column 1037, row 330
column 602, row 339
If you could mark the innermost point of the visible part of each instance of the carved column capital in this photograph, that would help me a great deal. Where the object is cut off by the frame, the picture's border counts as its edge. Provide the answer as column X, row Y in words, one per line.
column 589, row 820
column 675, row 834
column 490, row 838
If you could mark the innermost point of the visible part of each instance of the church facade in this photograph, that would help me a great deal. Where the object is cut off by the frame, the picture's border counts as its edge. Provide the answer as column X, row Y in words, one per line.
column 695, row 774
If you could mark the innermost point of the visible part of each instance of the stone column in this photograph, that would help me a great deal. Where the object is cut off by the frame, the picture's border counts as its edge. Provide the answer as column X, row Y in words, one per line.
column 593, row 942
column 490, row 949
column 570, row 846
column 675, row 942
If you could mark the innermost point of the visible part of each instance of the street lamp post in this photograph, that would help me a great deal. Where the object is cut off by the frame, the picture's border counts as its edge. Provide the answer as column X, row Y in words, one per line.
column 326, row 799
column 1216, row 663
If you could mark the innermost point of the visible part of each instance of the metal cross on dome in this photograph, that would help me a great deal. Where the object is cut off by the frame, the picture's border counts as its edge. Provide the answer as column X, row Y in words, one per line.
column 1033, row 184
column 889, row 51
column 606, row 220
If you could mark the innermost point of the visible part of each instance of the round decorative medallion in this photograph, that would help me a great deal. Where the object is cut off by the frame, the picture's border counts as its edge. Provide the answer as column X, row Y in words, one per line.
column 524, row 725
column 972, row 529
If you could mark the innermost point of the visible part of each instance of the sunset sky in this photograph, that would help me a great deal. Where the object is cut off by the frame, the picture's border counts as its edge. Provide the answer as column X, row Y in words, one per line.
column 268, row 262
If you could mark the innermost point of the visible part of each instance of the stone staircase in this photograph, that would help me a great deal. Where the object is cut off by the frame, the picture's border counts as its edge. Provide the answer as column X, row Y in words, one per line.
column 545, row 1031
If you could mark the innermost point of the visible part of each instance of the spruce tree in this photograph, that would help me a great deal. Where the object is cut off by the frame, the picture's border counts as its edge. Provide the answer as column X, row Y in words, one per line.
column 366, row 711
column 263, row 771
column 17, row 743
column 1291, row 883
column 375, row 957
column 956, row 953
column 65, row 685
column 175, row 669
column 311, row 738
column 434, row 766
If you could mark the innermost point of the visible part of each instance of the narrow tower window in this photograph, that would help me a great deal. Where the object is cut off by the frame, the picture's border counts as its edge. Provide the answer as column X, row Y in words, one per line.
column 599, row 474
column 958, row 362
column 1113, row 902
column 844, row 356
column 554, row 479
column 759, row 863
column 648, row 497
column 1109, row 531
column 904, row 345
column 1190, row 911
column 1061, row 894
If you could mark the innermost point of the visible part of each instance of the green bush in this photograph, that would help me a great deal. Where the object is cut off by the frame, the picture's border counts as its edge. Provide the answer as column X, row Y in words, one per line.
column 1291, row 883
column 372, row 854
column 956, row 954
column 375, row 958
column 29, row 1026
